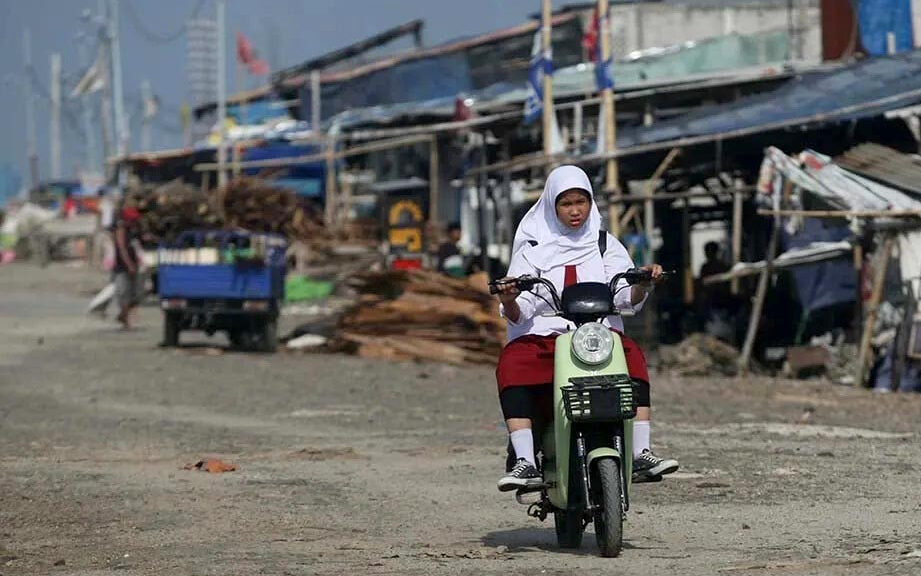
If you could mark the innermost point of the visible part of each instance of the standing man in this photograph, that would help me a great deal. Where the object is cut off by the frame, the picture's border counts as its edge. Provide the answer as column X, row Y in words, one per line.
column 450, row 259
column 128, row 282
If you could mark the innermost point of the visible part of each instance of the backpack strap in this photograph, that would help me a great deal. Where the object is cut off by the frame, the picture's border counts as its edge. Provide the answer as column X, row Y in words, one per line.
column 602, row 242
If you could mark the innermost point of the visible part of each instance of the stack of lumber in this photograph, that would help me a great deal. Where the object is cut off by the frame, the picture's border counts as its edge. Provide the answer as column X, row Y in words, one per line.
column 245, row 203
column 172, row 208
column 421, row 315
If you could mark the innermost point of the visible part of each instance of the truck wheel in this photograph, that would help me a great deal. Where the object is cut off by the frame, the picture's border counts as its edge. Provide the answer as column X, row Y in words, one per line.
column 609, row 520
column 270, row 335
column 171, row 329
column 568, row 528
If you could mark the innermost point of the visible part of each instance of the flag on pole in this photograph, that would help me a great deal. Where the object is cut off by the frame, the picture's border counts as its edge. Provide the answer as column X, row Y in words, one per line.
column 604, row 75
column 92, row 80
column 541, row 64
column 247, row 55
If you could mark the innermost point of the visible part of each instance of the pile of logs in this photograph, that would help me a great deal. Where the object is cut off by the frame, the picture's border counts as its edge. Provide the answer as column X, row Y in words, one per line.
column 420, row 315
column 172, row 208
column 245, row 203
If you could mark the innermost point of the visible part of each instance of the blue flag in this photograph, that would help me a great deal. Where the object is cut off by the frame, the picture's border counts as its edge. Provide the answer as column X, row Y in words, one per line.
column 541, row 64
column 604, row 75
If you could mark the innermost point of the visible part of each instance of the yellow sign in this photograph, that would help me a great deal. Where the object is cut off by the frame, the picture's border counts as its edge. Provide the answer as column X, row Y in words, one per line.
column 405, row 213
column 406, row 218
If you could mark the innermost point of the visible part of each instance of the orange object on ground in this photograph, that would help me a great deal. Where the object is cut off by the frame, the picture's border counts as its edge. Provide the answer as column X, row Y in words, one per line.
column 211, row 465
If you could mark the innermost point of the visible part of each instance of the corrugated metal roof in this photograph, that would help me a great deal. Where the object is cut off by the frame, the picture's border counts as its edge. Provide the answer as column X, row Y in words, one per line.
column 884, row 165
column 864, row 89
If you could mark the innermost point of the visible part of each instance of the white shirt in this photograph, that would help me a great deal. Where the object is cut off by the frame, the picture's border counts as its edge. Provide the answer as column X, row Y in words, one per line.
column 616, row 260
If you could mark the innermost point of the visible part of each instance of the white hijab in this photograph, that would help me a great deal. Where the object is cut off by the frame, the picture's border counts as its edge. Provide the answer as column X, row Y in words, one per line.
column 557, row 244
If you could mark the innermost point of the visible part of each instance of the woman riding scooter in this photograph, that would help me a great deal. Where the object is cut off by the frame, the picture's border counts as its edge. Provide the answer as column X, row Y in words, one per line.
column 560, row 239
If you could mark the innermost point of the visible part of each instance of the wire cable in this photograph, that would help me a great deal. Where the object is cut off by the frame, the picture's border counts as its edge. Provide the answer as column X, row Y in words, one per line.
column 154, row 37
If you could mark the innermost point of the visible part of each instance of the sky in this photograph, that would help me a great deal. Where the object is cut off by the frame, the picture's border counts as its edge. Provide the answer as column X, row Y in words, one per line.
column 284, row 31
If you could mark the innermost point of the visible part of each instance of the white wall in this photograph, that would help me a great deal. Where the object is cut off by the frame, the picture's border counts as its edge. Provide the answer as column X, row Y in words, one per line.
column 640, row 26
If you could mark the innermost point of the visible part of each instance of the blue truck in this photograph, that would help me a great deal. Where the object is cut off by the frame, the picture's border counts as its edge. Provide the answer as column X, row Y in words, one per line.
column 223, row 281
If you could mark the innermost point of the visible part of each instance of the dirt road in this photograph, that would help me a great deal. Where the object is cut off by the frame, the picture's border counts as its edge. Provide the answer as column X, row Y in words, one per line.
column 346, row 466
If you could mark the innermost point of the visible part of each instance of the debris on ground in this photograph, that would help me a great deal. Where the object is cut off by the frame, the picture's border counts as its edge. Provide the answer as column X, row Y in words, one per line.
column 421, row 315
column 211, row 465
column 306, row 341
column 699, row 355
column 805, row 361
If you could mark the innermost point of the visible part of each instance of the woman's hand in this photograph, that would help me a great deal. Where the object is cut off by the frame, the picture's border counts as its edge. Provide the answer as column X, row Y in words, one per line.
column 656, row 272
column 508, row 290
column 639, row 291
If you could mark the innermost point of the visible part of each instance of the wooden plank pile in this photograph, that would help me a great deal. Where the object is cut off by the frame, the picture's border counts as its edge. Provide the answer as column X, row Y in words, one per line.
column 172, row 208
column 422, row 315
column 245, row 203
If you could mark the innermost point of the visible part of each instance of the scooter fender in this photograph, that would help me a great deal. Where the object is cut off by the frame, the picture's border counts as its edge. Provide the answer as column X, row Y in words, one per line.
column 604, row 453
column 557, row 440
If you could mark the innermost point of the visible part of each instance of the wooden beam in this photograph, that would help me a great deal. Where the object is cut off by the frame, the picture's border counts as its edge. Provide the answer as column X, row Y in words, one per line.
column 842, row 213
column 736, row 234
column 433, row 179
column 879, row 282
column 368, row 148
column 758, row 304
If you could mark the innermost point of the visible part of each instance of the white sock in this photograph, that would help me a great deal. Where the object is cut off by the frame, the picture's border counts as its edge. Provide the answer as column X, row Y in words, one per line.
column 523, row 442
column 640, row 436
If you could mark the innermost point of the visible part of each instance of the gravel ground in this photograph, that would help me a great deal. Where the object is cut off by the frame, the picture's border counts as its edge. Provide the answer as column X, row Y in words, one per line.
column 350, row 466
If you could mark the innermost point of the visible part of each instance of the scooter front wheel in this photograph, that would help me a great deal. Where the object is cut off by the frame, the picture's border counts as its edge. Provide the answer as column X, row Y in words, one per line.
column 609, row 518
column 568, row 528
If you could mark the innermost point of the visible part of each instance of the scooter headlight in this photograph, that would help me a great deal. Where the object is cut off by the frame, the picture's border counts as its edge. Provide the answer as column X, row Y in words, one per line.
column 592, row 343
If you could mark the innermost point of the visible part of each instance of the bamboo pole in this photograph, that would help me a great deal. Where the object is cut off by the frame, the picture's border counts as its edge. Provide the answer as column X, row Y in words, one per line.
column 433, row 179
column 546, row 46
column 758, row 305
column 330, row 209
column 320, row 157
column 612, row 176
column 736, row 234
column 842, row 213
column 879, row 282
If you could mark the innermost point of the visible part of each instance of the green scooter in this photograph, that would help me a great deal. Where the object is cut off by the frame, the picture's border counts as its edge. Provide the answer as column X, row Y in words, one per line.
column 585, row 454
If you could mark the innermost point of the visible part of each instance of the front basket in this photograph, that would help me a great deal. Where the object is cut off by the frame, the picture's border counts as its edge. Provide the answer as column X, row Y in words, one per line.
column 600, row 398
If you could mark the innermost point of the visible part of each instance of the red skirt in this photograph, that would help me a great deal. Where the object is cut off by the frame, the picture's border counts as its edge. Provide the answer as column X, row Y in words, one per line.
column 528, row 361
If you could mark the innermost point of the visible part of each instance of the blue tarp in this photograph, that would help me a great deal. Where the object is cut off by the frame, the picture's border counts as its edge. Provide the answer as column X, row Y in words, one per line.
column 877, row 18
column 304, row 179
column 861, row 90
column 826, row 283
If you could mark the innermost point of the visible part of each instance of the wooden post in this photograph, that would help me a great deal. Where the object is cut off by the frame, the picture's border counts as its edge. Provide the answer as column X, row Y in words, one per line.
column 612, row 176
column 736, row 233
column 688, row 275
column 330, row 208
column 433, row 179
column 758, row 305
column 879, row 282
column 546, row 30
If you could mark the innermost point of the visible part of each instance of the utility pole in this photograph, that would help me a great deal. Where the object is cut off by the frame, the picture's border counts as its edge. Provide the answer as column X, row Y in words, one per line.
column 30, row 106
column 221, row 93
column 546, row 47
column 89, row 138
column 105, row 105
column 147, row 114
column 121, row 126
column 612, row 178
column 54, row 135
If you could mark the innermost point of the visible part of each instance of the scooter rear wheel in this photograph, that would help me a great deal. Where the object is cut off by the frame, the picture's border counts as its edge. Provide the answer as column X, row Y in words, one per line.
column 609, row 519
column 568, row 528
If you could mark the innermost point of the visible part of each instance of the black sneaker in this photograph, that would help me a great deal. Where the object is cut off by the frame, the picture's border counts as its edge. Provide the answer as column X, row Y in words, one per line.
column 523, row 475
column 647, row 467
